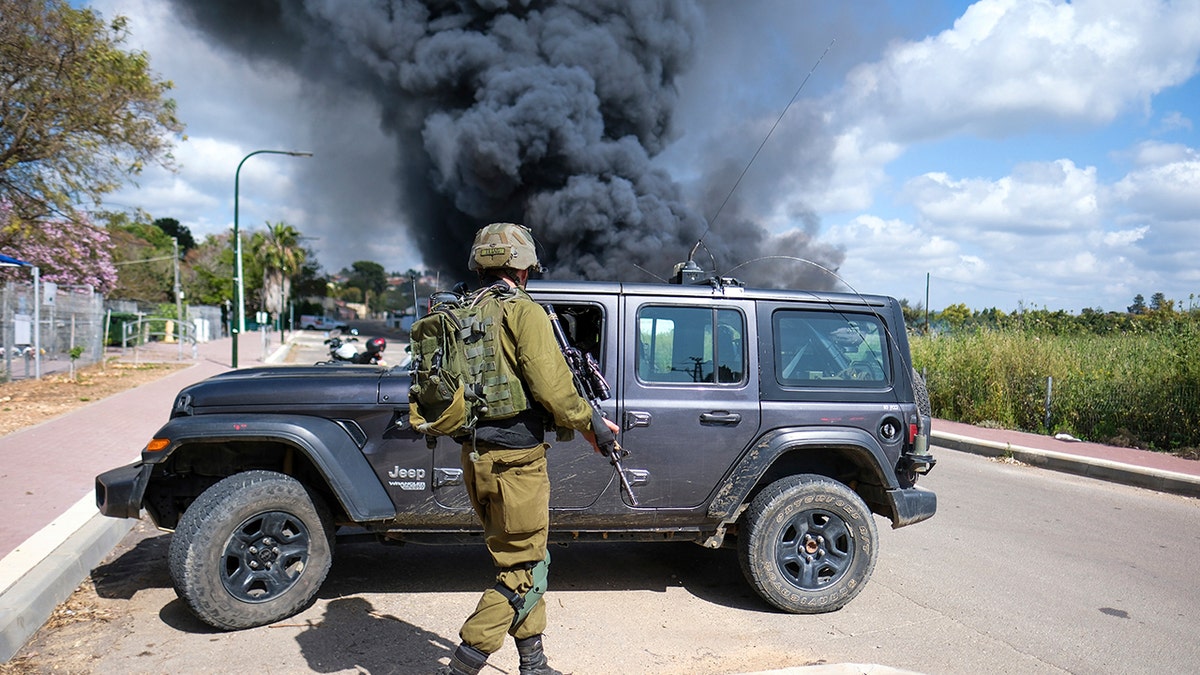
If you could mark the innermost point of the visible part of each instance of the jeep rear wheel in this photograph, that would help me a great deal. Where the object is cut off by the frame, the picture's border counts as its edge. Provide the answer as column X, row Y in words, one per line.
column 251, row 550
column 807, row 544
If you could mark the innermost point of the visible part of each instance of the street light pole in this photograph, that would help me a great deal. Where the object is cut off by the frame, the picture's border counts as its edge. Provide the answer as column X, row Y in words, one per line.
column 239, row 289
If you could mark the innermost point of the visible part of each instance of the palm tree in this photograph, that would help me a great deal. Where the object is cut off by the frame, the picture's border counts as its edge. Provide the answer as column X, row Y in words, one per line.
column 278, row 249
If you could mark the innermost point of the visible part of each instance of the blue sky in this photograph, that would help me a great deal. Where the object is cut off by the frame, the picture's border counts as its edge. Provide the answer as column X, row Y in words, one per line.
column 1031, row 153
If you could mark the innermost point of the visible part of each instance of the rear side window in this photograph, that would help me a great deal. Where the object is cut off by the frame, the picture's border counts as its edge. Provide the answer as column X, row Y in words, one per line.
column 691, row 345
column 829, row 348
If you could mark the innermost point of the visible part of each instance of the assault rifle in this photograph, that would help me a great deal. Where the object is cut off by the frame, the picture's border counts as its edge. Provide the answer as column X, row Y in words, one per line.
column 590, row 384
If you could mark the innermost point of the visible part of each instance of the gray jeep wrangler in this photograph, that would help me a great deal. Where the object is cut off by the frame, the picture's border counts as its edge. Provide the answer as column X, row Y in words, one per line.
column 774, row 421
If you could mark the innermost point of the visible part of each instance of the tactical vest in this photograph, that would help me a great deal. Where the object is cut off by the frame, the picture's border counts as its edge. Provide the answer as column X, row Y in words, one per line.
column 460, row 375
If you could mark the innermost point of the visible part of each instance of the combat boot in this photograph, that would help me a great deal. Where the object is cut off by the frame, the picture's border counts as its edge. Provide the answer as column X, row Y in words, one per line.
column 466, row 660
column 533, row 659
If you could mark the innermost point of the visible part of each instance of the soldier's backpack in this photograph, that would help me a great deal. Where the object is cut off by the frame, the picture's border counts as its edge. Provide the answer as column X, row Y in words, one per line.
column 458, row 375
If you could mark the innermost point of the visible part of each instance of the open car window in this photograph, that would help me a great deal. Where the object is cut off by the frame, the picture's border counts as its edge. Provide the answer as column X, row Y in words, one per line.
column 691, row 345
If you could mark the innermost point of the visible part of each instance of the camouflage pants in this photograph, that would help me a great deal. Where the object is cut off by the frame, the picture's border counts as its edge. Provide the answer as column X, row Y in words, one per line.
column 510, row 490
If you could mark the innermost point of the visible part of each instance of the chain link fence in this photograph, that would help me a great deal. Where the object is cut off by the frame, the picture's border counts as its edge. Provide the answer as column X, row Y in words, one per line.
column 68, row 325
column 73, row 323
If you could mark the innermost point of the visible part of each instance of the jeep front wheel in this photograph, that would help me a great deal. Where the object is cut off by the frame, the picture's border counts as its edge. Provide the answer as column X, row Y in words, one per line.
column 807, row 544
column 251, row 550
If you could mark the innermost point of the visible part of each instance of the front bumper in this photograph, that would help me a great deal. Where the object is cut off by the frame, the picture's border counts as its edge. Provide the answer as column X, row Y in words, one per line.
column 119, row 491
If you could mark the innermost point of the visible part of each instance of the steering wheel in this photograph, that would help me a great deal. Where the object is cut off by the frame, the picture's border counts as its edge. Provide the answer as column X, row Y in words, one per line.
column 862, row 370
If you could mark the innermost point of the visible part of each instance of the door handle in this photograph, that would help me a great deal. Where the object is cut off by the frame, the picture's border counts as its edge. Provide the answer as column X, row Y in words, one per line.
column 721, row 417
column 446, row 476
column 636, row 418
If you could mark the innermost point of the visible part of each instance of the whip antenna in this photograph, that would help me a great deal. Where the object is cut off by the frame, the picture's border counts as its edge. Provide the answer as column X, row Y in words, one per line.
column 760, row 147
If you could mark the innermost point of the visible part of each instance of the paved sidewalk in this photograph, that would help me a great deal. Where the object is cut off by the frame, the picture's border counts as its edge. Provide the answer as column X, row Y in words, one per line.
column 1130, row 466
column 53, row 536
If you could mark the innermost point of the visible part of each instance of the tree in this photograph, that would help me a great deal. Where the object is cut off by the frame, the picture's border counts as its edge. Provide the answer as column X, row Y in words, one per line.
column 1160, row 303
column 1138, row 306
column 279, row 252
column 956, row 315
column 209, row 280
column 142, row 254
column 78, row 114
column 181, row 233
column 371, row 279
column 310, row 282
column 74, row 254
column 914, row 315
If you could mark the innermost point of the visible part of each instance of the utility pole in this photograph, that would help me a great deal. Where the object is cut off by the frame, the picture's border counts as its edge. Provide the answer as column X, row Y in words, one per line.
column 179, row 331
column 416, row 310
column 927, row 303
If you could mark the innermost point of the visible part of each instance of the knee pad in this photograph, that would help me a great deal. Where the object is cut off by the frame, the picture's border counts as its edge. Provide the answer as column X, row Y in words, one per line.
column 524, row 604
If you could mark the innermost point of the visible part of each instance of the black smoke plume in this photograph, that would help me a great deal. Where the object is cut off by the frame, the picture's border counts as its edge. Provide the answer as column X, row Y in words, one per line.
column 545, row 113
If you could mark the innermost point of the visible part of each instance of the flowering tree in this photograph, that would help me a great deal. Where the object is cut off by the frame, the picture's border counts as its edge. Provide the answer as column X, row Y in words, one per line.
column 69, row 253
column 78, row 115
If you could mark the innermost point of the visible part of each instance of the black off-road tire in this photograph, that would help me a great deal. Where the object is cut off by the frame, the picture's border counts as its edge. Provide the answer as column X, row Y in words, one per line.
column 251, row 550
column 921, row 394
column 807, row 544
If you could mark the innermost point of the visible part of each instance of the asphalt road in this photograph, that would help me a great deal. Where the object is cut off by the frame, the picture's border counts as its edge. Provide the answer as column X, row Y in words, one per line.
column 1021, row 571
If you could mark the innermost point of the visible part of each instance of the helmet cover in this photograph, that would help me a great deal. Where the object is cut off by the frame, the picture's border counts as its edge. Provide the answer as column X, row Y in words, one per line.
column 504, row 245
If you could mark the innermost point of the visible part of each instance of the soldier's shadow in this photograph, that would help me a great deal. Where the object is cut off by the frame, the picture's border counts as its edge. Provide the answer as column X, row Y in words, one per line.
column 353, row 636
column 713, row 576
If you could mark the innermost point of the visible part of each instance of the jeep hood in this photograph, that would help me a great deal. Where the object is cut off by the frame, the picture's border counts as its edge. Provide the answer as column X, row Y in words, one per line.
column 293, row 388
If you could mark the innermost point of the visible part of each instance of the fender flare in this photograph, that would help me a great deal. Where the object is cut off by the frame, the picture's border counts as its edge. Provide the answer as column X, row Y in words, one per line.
column 755, row 462
column 324, row 442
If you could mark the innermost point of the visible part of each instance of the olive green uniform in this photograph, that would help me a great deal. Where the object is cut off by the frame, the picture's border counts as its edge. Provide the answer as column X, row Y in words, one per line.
column 509, row 487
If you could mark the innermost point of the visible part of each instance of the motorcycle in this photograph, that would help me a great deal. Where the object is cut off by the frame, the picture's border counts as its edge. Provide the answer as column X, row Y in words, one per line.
column 342, row 350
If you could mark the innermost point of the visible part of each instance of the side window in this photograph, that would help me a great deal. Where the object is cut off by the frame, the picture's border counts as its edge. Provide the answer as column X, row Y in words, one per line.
column 820, row 348
column 584, row 327
column 691, row 345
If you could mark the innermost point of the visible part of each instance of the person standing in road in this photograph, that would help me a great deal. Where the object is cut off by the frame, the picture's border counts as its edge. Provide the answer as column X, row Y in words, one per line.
column 504, row 465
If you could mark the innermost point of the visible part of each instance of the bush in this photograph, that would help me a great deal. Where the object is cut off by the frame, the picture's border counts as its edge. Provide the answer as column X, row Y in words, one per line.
column 116, row 327
column 1133, row 388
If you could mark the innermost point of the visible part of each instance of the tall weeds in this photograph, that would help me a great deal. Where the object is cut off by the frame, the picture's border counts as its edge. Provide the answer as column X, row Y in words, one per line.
column 1138, row 389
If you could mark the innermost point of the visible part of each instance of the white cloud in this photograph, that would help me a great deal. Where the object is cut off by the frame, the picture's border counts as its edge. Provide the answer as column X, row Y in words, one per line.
column 1010, row 65
column 858, row 170
column 1039, row 198
column 1049, row 232
column 1167, row 191
column 891, row 256
column 1007, row 67
column 1175, row 121
column 1150, row 153
column 1124, row 238
column 206, row 158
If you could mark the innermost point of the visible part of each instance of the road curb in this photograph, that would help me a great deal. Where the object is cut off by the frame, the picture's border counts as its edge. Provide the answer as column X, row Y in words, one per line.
column 28, row 602
column 1101, row 469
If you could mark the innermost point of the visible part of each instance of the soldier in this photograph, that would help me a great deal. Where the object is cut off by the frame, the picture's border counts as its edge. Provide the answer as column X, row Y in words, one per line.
column 504, row 465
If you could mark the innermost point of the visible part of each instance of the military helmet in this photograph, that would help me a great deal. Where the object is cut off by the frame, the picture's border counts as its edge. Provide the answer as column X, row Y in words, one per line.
column 501, row 245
